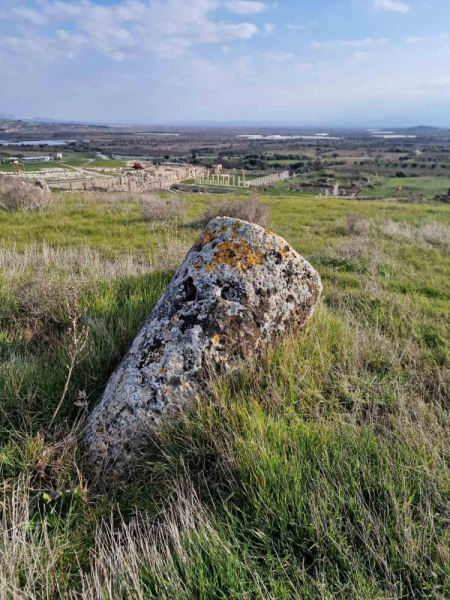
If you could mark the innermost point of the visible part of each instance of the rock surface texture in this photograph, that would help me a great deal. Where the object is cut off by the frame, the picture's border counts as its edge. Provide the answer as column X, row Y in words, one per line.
column 239, row 287
column 42, row 184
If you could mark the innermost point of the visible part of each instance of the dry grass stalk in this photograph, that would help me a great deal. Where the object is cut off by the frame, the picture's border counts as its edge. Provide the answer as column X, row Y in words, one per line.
column 15, row 194
column 251, row 210
column 80, row 263
column 79, row 338
column 28, row 555
column 121, row 553
column 91, row 265
column 157, row 209
column 433, row 233
column 356, row 225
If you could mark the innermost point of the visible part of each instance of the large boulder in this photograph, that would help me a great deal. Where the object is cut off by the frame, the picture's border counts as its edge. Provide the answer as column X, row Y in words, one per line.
column 239, row 288
column 42, row 185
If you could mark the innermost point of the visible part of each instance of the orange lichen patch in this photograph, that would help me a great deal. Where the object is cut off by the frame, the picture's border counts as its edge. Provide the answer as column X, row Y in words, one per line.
column 238, row 254
column 207, row 237
column 236, row 225
column 216, row 339
column 162, row 370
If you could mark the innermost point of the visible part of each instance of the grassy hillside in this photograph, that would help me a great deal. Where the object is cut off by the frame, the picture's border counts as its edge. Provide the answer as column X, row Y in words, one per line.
column 319, row 471
column 412, row 186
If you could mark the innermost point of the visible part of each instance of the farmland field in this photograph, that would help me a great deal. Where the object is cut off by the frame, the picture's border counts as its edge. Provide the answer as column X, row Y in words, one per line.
column 416, row 186
column 75, row 162
column 107, row 163
column 30, row 166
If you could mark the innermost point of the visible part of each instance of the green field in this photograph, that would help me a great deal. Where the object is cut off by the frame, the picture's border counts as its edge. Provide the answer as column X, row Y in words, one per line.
column 319, row 471
column 107, row 163
column 75, row 162
column 31, row 166
column 412, row 186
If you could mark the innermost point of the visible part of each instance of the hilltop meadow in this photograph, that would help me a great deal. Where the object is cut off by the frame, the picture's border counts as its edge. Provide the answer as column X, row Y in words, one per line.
column 320, row 470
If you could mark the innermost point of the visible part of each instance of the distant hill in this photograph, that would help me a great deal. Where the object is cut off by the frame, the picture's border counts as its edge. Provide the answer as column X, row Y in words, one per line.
column 425, row 130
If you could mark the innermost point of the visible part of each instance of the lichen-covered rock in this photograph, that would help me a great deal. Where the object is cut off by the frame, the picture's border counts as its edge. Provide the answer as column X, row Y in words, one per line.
column 239, row 287
column 42, row 184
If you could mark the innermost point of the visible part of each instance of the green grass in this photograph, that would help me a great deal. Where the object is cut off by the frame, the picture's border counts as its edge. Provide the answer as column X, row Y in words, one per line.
column 108, row 164
column 31, row 166
column 75, row 162
column 412, row 186
column 320, row 470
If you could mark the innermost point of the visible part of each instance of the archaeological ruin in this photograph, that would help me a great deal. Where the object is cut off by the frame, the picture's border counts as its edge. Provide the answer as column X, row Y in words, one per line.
column 147, row 177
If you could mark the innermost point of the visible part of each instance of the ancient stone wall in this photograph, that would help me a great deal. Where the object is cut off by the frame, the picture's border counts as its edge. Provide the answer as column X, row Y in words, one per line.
column 137, row 181
column 268, row 179
column 228, row 180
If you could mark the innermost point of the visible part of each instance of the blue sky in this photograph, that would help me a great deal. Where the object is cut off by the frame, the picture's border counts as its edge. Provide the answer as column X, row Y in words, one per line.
column 352, row 62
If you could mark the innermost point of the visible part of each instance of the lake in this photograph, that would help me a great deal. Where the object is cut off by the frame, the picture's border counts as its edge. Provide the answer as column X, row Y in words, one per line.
column 36, row 142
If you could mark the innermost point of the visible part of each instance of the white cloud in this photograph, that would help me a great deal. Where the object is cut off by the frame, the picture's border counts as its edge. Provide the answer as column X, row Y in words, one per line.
column 30, row 15
column 393, row 5
column 63, row 10
column 73, row 39
column 245, row 7
column 33, row 56
column 269, row 28
column 279, row 56
column 26, row 46
column 132, row 28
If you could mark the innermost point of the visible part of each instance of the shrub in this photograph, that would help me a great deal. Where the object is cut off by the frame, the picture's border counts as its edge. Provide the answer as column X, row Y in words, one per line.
column 18, row 195
column 157, row 209
column 250, row 209
column 355, row 225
